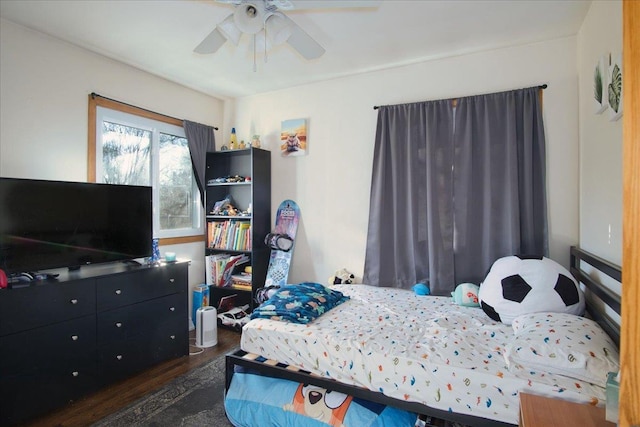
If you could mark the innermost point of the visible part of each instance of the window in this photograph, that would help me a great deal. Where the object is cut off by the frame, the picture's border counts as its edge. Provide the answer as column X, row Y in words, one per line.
column 136, row 147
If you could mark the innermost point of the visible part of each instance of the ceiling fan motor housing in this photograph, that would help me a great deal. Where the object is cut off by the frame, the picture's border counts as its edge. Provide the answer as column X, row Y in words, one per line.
column 250, row 17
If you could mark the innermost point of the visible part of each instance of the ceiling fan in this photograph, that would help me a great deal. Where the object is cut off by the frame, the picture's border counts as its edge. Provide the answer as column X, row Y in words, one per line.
column 265, row 20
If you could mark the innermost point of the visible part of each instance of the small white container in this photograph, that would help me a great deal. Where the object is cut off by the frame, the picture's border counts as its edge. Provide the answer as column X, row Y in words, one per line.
column 206, row 327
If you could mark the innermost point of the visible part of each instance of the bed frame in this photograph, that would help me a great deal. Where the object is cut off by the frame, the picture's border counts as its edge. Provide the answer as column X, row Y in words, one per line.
column 275, row 369
column 591, row 283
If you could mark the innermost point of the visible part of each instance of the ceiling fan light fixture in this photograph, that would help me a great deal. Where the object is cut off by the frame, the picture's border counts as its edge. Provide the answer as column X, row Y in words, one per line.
column 230, row 30
column 249, row 17
column 278, row 28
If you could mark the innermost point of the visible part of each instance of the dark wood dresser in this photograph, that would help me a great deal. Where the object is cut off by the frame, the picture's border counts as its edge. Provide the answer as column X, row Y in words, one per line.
column 62, row 339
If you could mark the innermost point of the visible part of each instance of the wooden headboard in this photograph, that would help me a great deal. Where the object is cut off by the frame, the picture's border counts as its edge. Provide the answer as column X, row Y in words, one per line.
column 608, row 297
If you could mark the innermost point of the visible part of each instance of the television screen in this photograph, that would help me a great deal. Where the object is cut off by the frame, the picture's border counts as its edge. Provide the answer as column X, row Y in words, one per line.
column 54, row 224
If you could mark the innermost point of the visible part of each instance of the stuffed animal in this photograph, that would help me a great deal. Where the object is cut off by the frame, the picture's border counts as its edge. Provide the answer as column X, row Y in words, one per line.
column 342, row 277
column 523, row 284
column 466, row 295
column 421, row 289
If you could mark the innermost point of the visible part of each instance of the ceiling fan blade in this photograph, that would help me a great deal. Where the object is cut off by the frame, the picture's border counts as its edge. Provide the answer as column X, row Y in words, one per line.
column 303, row 43
column 211, row 43
column 226, row 30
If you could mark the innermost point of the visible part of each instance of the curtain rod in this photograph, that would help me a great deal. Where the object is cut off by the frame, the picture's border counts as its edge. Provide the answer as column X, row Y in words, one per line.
column 93, row 95
column 544, row 86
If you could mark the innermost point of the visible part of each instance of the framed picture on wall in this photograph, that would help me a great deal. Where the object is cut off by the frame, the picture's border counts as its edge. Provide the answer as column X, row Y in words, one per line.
column 293, row 138
column 614, row 88
column 600, row 85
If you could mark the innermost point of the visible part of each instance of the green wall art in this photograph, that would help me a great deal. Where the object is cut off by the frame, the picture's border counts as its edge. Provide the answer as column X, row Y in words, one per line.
column 600, row 85
column 614, row 88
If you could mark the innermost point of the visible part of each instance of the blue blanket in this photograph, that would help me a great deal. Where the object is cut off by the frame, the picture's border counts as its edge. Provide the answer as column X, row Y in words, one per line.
column 299, row 303
column 256, row 400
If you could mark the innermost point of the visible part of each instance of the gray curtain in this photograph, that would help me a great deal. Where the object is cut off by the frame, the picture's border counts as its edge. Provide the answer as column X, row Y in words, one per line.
column 499, row 174
column 410, row 221
column 201, row 140
column 453, row 189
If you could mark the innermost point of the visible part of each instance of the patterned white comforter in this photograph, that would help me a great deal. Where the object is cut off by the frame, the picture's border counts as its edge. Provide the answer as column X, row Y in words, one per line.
column 415, row 348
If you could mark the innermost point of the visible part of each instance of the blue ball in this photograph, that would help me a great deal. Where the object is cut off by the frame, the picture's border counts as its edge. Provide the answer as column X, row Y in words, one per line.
column 421, row 289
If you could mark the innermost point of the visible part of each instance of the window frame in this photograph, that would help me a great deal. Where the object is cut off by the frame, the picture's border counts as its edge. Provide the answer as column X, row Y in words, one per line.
column 95, row 101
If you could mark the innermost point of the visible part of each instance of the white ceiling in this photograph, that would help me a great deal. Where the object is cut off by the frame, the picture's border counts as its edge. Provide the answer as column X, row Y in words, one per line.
column 159, row 36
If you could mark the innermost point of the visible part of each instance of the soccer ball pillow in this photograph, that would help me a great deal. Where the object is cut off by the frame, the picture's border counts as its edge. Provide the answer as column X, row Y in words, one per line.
column 518, row 285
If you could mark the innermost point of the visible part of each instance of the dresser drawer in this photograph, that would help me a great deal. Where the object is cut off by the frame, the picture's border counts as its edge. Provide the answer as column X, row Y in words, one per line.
column 166, row 340
column 122, row 359
column 127, row 322
column 132, row 287
column 41, row 389
column 60, row 344
column 172, row 278
column 171, row 340
column 40, row 305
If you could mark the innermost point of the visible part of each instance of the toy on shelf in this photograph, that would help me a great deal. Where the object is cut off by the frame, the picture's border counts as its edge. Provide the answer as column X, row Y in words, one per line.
column 255, row 141
column 229, row 179
column 233, row 143
column 224, row 207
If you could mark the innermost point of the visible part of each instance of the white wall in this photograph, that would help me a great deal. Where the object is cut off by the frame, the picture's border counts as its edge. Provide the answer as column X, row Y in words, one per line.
column 600, row 138
column 44, row 87
column 332, row 183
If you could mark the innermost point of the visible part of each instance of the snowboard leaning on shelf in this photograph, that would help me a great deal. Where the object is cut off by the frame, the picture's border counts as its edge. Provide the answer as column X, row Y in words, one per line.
column 281, row 242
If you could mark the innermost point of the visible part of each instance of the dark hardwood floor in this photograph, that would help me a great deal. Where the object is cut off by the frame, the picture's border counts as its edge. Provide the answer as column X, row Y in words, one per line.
column 109, row 400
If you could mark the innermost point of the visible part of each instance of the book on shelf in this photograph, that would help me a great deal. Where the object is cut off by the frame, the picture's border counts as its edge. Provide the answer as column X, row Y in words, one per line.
column 241, row 286
column 241, row 278
column 231, row 234
column 219, row 268
column 241, row 281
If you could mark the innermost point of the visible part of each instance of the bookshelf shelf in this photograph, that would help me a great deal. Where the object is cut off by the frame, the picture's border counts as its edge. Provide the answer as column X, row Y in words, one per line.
column 229, row 235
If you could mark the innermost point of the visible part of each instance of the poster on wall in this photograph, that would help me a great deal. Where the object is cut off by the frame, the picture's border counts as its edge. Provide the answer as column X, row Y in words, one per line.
column 293, row 138
column 614, row 88
column 600, row 85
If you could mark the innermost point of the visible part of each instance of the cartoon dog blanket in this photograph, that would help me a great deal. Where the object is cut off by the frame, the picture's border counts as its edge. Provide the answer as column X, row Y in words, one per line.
column 256, row 400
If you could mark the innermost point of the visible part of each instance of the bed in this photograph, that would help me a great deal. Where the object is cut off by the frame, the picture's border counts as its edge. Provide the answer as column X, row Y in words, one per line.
column 428, row 355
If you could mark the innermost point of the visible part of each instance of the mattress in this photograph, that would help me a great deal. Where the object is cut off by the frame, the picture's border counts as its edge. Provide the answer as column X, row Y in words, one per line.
column 414, row 348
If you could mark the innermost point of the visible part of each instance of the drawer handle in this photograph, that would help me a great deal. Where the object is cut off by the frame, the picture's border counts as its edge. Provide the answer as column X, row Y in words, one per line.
column 173, row 337
column 74, row 337
column 118, row 291
column 75, row 373
column 172, row 280
column 74, row 301
column 119, row 357
column 118, row 325
column 172, row 309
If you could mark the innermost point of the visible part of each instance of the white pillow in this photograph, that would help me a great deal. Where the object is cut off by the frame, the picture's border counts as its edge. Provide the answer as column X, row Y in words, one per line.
column 563, row 344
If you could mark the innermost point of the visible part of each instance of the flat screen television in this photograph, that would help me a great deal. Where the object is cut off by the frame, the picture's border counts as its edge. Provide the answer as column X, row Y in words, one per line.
column 54, row 224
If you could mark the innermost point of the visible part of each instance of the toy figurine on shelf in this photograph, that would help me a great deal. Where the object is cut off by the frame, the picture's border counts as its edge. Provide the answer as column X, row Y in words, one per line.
column 233, row 144
column 255, row 141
